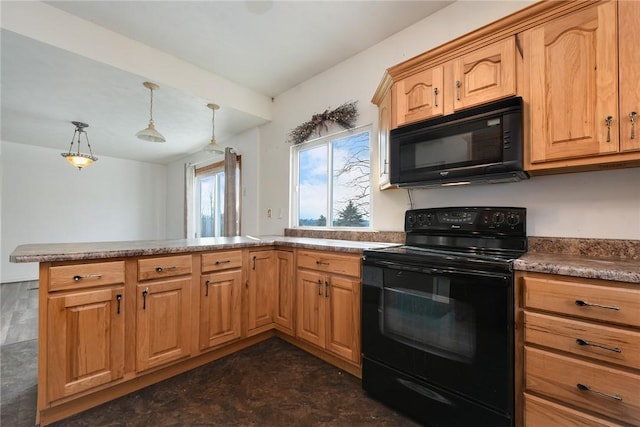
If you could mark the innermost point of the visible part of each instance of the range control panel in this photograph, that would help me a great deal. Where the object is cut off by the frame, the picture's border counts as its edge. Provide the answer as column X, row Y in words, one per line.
column 508, row 220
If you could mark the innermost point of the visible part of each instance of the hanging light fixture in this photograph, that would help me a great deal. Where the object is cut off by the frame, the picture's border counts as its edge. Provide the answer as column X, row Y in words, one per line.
column 213, row 146
column 79, row 159
column 150, row 133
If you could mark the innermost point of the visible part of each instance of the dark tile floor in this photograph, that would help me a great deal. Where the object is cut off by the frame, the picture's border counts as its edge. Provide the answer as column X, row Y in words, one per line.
column 270, row 384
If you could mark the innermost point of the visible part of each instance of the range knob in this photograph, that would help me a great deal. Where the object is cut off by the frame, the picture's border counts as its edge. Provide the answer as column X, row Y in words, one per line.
column 513, row 219
column 421, row 218
column 411, row 218
column 497, row 218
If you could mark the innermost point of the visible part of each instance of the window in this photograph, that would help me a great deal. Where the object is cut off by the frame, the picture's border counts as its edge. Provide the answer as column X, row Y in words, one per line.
column 331, row 181
column 209, row 199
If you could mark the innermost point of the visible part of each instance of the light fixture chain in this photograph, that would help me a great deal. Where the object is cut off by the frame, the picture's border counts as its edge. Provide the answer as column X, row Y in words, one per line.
column 151, row 107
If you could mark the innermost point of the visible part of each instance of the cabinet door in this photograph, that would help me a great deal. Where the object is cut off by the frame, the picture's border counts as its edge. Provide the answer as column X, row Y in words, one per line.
column 384, row 127
column 310, row 320
column 219, row 308
column 162, row 330
column 573, row 81
column 260, row 291
column 85, row 341
column 418, row 97
column 484, row 75
column 285, row 291
column 343, row 318
column 629, row 34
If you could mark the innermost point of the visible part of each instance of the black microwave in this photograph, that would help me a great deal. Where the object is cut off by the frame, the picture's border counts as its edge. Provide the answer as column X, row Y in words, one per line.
column 478, row 145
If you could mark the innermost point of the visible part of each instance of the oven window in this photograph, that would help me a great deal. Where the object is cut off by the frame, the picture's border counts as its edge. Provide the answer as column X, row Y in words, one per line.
column 432, row 321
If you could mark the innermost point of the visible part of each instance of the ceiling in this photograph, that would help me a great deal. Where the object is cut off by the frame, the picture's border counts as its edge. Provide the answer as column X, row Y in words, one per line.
column 243, row 52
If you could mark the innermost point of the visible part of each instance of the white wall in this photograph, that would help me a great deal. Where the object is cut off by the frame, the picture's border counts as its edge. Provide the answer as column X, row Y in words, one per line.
column 603, row 204
column 46, row 200
column 246, row 145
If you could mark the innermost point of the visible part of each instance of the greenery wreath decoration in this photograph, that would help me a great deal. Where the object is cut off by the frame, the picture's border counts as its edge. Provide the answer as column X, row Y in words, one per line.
column 345, row 116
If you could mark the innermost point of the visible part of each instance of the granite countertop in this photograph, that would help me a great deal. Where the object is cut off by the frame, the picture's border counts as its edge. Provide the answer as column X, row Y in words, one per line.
column 45, row 252
column 620, row 269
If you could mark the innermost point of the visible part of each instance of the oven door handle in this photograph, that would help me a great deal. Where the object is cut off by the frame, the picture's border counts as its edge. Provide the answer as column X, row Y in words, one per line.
column 434, row 270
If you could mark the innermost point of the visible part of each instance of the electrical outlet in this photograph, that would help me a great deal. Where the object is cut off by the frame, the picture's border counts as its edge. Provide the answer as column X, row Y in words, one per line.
column 269, row 213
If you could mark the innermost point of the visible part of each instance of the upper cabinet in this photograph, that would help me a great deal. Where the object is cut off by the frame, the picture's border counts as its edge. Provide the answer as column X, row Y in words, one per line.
column 582, row 74
column 484, row 75
column 576, row 65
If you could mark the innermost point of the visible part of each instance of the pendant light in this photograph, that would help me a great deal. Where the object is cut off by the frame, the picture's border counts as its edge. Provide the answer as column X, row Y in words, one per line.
column 213, row 146
column 79, row 159
column 150, row 133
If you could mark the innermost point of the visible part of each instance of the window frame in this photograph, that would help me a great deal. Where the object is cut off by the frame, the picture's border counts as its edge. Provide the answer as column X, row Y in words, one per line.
column 294, row 188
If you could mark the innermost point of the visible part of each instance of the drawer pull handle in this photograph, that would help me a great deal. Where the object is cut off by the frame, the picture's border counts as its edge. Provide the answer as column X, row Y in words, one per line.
column 435, row 95
column 206, row 285
column 161, row 269
column 319, row 287
column 610, row 396
column 118, row 298
column 88, row 276
column 458, row 85
column 322, row 263
column 326, row 289
column 632, row 118
column 608, row 121
column 582, row 303
column 223, row 262
column 580, row 341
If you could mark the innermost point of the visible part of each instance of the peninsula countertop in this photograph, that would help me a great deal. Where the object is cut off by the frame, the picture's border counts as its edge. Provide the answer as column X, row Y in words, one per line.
column 47, row 252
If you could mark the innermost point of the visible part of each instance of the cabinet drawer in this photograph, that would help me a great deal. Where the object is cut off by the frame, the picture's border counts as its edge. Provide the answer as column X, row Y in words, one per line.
column 558, row 377
column 540, row 412
column 614, row 345
column 224, row 260
column 78, row 276
column 329, row 262
column 615, row 304
column 158, row 268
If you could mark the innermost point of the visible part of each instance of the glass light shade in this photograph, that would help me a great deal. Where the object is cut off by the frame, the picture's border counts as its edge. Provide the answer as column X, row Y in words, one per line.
column 79, row 160
column 213, row 147
column 150, row 134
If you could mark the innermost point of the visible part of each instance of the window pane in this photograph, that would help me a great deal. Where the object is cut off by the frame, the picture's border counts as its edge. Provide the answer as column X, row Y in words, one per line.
column 207, row 204
column 313, row 175
column 351, row 189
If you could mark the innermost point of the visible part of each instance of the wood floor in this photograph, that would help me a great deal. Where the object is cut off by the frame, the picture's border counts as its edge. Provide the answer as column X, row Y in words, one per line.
column 18, row 312
column 270, row 384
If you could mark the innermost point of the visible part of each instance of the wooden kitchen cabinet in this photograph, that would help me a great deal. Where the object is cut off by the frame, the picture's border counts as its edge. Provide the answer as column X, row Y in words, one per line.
column 484, row 75
column 580, row 119
column 328, row 308
column 259, row 291
column 220, row 298
column 285, row 292
column 581, row 350
column 85, row 339
column 386, row 122
column 162, row 311
column 418, row 96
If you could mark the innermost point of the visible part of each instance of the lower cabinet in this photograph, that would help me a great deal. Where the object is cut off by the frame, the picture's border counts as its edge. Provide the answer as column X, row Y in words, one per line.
column 220, row 308
column 260, row 289
column 162, row 322
column 284, row 292
column 580, row 351
column 328, row 307
column 85, row 340
column 111, row 327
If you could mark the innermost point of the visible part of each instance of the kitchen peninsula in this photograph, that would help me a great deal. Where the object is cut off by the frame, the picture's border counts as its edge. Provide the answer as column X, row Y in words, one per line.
column 115, row 317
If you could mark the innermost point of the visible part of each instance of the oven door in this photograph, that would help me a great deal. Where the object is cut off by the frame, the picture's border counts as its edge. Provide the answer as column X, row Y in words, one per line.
column 452, row 328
